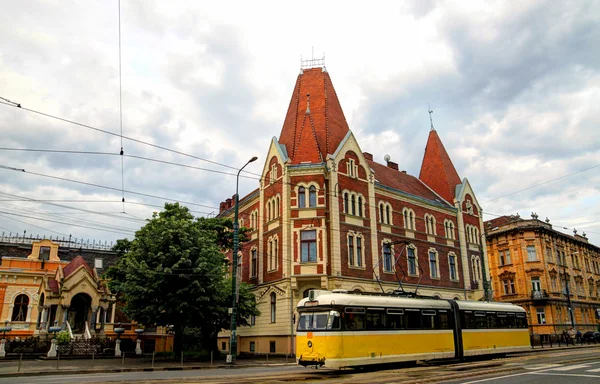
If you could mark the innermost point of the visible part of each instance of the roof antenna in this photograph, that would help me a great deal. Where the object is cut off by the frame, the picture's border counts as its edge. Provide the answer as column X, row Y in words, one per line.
column 430, row 118
column 308, row 103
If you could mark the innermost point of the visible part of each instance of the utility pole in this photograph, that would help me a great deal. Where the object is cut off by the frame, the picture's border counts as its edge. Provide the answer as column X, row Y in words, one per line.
column 568, row 293
column 233, row 339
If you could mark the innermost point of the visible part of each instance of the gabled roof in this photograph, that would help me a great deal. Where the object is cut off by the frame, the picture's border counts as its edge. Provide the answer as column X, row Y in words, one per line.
column 53, row 285
column 401, row 181
column 74, row 265
column 437, row 170
column 314, row 124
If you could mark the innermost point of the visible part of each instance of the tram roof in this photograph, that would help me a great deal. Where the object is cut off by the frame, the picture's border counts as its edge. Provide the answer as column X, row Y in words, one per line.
column 487, row 306
column 349, row 299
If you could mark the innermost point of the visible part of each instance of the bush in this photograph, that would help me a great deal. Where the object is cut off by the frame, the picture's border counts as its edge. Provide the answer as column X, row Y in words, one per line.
column 63, row 337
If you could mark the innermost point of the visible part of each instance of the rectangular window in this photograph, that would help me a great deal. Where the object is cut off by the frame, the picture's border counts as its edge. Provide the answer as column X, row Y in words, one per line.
column 252, row 320
column 541, row 315
column 254, row 263
column 272, row 348
column 531, row 255
column 44, row 253
column 98, row 263
column 412, row 263
column 553, row 284
column 308, row 244
column 433, row 264
column 452, row 262
column 501, row 258
column 359, row 251
column 252, row 346
column 536, row 286
column 507, row 256
column 549, row 255
column 387, row 257
column 351, row 250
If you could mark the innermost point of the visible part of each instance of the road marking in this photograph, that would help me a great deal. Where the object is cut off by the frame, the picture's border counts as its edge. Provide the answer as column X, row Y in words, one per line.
column 593, row 370
column 543, row 366
column 62, row 378
column 570, row 367
column 562, row 374
column 499, row 377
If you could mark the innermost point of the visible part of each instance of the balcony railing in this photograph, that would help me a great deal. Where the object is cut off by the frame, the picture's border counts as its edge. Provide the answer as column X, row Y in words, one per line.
column 539, row 295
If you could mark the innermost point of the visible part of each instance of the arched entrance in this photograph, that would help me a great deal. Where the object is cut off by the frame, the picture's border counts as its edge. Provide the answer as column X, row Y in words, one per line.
column 79, row 312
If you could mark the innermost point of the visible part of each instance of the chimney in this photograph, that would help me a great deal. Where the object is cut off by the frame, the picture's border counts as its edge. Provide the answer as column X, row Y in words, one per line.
column 222, row 207
column 403, row 171
column 228, row 203
column 368, row 156
column 392, row 165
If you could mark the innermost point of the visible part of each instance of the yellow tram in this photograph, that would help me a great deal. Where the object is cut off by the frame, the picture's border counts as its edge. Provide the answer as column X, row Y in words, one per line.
column 341, row 329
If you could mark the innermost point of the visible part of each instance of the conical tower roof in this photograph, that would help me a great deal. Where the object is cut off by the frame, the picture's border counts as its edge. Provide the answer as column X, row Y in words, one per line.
column 437, row 170
column 314, row 124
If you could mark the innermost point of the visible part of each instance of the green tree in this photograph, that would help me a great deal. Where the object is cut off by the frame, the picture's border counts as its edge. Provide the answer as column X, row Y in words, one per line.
column 173, row 273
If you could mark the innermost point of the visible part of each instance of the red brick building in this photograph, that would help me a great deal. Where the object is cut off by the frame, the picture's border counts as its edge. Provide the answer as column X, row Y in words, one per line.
column 326, row 215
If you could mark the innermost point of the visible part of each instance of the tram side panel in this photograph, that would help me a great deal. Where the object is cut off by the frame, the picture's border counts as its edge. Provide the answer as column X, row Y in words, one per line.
column 493, row 333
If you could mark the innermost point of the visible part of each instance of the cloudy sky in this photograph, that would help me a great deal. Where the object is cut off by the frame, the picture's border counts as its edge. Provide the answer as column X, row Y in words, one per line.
column 514, row 85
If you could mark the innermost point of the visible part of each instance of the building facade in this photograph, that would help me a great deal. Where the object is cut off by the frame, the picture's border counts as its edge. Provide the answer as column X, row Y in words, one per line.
column 554, row 276
column 40, row 291
column 326, row 215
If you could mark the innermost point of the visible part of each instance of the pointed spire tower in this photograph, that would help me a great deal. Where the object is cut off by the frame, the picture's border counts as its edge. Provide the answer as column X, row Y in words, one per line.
column 437, row 170
column 314, row 124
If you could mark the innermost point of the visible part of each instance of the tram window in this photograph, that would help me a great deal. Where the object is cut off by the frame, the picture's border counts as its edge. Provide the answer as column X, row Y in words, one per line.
column 318, row 321
column 413, row 319
column 375, row 320
column 354, row 321
column 480, row 321
column 512, row 322
column 503, row 320
column 491, row 320
column 354, row 310
column 466, row 320
column 521, row 321
column 442, row 321
column 428, row 319
column 396, row 320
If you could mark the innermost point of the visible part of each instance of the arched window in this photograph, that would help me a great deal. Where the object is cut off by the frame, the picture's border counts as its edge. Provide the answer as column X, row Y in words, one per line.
column 387, row 214
column 405, row 214
column 301, row 197
column 312, row 196
column 381, row 212
column 268, row 211
column 387, row 257
column 360, row 206
column 277, row 207
column 20, row 308
column 346, row 210
column 353, row 204
column 273, row 307
column 273, row 209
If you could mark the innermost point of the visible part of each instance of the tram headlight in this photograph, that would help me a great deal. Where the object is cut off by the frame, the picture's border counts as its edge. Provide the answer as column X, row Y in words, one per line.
column 309, row 344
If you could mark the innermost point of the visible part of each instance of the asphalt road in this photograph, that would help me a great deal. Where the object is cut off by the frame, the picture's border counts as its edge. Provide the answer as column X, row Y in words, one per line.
column 580, row 373
column 547, row 367
column 204, row 376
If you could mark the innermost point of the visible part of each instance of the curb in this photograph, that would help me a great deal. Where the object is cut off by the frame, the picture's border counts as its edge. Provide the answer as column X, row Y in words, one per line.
column 144, row 369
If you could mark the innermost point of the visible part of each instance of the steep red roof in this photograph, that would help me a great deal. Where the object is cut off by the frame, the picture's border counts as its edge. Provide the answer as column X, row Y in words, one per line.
column 309, row 134
column 401, row 181
column 53, row 285
column 75, row 264
column 437, row 170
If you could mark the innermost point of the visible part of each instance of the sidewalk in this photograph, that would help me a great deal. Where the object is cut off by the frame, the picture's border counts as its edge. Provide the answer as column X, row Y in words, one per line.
column 30, row 367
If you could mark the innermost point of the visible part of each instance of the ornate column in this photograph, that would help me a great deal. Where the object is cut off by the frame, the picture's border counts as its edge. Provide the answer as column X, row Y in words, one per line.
column 65, row 309
column 93, row 320
column 102, row 320
column 112, row 314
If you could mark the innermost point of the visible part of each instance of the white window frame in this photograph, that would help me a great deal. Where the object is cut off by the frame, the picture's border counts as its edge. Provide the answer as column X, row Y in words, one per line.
column 437, row 263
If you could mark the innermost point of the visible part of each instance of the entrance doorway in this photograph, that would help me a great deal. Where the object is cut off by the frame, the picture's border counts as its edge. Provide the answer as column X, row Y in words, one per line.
column 79, row 312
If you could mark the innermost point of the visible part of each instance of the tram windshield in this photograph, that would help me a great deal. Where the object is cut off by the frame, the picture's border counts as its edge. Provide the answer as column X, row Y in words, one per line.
column 319, row 321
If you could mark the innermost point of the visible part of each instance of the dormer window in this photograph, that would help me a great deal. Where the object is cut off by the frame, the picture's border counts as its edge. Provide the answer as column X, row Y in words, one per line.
column 351, row 169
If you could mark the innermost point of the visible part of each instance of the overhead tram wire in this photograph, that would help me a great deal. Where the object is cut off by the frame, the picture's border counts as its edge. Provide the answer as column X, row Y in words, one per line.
column 104, row 186
column 32, row 225
column 121, row 115
column 94, row 201
column 125, row 137
column 74, row 220
column 125, row 155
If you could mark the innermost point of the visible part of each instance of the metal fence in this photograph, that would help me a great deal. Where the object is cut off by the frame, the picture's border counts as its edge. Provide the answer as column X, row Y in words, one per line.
column 15, row 238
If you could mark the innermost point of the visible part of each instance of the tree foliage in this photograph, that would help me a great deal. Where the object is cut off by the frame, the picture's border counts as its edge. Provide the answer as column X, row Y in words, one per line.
column 174, row 273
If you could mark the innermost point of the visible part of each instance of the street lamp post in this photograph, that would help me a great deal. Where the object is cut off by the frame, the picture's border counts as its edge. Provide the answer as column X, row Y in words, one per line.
column 233, row 339
column 568, row 294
